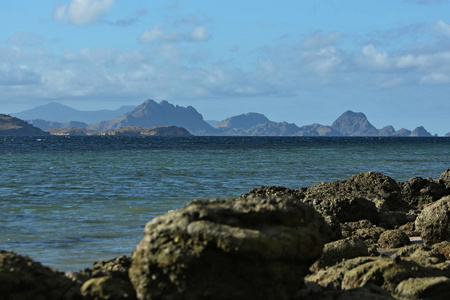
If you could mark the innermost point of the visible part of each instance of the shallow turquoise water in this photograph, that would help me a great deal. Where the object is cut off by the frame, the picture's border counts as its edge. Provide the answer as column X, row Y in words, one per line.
column 68, row 202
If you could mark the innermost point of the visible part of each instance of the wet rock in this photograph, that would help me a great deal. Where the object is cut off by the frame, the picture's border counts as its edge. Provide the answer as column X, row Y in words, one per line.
column 360, row 197
column 340, row 250
column 24, row 279
column 433, row 223
column 393, row 239
column 249, row 248
column 419, row 192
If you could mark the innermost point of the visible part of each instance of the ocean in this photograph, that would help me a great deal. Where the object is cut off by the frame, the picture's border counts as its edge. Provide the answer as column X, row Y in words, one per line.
column 70, row 201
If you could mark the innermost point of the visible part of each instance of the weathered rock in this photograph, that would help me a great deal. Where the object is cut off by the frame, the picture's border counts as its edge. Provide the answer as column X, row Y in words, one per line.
column 332, row 277
column 443, row 248
column 410, row 229
column 420, row 254
column 393, row 239
column 248, row 248
column 360, row 197
column 317, row 292
column 419, row 192
column 363, row 230
column 107, row 280
column 434, row 222
column 387, row 274
column 272, row 191
column 424, row 288
column 108, row 288
column 340, row 250
column 444, row 179
column 24, row 279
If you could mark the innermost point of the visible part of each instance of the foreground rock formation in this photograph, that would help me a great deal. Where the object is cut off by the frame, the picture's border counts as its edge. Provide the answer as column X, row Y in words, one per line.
column 366, row 237
column 244, row 249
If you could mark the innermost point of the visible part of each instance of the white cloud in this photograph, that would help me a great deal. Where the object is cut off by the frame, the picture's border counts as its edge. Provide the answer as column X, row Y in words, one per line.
column 82, row 12
column 199, row 34
column 157, row 34
column 443, row 27
column 375, row 59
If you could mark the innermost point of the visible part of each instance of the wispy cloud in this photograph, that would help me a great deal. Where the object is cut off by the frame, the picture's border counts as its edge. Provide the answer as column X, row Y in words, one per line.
column 82, row 12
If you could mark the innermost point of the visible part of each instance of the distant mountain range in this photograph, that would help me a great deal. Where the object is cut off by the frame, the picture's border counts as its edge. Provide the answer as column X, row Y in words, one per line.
column 56, row 112
column 151, row 114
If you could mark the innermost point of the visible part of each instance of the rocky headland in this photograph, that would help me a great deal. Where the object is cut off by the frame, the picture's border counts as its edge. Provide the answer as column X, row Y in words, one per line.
column 366, row 237
column 11, row 126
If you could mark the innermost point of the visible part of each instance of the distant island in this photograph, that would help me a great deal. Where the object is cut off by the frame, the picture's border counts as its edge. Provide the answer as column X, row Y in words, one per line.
column 151, row 114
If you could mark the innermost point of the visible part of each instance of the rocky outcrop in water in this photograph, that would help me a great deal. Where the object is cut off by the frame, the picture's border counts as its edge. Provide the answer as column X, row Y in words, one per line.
column 376, row 239
column 11, row 126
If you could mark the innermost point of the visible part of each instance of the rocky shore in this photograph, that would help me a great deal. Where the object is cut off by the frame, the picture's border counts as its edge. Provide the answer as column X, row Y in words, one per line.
column 366, row 237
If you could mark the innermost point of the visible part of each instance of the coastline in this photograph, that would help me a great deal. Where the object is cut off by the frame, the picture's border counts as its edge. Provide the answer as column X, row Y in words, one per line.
column 371, row 237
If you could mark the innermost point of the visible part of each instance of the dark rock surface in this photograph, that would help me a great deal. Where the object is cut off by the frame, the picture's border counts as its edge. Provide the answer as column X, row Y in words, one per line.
column 24, row 279
column 418, row 191
column 361, row 197
column 434, row 222
column 248, row 248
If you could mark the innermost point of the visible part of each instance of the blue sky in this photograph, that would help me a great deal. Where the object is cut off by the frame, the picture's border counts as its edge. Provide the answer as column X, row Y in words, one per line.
column 299, row 61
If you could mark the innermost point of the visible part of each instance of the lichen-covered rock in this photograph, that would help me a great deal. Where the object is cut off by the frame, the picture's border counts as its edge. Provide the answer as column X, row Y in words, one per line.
column 360, row 197
column 433, row 222
column 340, row 250
column 248, row 248
column 393, row 239
column 24, row 279
column 419, row 192
column 421, row 254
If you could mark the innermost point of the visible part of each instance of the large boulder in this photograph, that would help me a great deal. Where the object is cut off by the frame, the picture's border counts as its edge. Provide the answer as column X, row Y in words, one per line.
column 434, row 222
column 418, row 191
column 250, row 248
column 24, row 279
column 360, row 197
